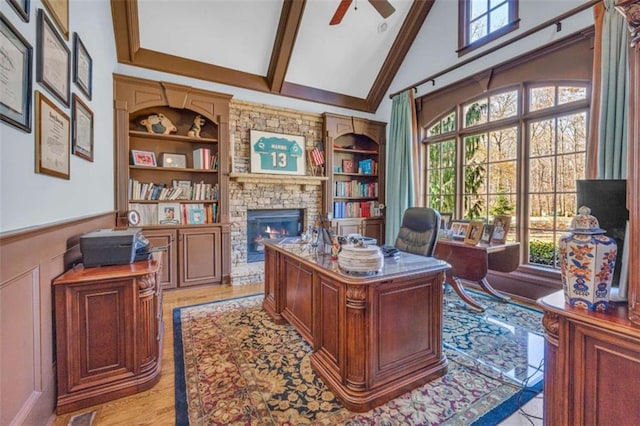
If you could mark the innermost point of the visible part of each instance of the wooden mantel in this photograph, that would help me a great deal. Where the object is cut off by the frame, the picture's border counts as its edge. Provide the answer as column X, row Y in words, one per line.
column 306, row 182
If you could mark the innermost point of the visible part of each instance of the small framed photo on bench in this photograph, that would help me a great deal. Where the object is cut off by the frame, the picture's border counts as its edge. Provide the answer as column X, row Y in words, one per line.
column 474, row 232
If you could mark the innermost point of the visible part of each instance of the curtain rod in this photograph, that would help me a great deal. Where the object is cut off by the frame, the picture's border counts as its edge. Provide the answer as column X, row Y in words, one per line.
column 555, row 21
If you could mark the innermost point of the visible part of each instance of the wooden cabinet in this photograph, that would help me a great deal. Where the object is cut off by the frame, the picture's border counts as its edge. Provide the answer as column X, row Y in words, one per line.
column 592, row 365
column 165, row 239
column 108, row 332
column 355, row 186
column 193, row 223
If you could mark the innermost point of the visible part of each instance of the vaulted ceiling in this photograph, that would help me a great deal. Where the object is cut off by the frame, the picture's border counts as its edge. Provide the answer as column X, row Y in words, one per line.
column 284, row 47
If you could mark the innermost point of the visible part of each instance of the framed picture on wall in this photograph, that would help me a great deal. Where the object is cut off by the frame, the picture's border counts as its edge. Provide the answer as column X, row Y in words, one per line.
column 21, row 7
column 82, row 129
column 53, row 144
column 277, row 153
column 54, row 59
column 82, row 66
column 15, row 77
column 59, row 10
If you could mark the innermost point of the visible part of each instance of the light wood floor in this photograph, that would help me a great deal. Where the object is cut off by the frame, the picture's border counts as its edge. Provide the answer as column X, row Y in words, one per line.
column 156, row 406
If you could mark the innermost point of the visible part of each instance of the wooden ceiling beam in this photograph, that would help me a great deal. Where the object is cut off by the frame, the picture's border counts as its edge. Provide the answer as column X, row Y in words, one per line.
column 286, row 35
column 401, row 45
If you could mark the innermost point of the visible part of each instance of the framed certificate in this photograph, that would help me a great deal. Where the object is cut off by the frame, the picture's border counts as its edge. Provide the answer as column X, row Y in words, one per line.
column 82, row 118
column 54, row 59
column 15, row 77
column 82, row 66
column 53, row 147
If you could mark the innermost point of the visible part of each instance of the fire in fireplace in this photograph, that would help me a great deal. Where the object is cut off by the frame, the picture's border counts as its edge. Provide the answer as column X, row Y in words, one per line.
column 270, row 225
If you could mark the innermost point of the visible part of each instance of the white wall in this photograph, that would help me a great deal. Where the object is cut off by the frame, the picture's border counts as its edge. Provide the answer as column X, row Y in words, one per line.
column 29, row 199
column 431, row 53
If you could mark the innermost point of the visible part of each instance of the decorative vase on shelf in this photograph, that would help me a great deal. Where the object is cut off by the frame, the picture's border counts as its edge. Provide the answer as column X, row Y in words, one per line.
column 587, row 263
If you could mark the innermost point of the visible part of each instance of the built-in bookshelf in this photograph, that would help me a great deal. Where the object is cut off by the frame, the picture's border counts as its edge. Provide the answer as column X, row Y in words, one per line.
column 172, row 175
column 355, row 171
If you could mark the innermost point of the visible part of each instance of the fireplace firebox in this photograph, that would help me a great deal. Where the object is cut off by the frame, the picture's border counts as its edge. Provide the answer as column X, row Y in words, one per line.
column 270, row 225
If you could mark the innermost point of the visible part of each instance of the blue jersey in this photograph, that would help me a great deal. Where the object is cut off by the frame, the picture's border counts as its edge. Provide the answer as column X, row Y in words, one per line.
column 278, row 154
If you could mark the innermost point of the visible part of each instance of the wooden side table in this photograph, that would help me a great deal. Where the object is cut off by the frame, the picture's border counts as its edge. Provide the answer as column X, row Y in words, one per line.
column 108, row 332
column 472, row 262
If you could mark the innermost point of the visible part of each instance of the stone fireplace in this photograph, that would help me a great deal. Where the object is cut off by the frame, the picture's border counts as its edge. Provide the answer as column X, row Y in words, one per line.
column 270, row 225
column 248, row 192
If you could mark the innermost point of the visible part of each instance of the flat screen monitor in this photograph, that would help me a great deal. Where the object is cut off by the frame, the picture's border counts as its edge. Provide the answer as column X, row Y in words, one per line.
column 607, row 199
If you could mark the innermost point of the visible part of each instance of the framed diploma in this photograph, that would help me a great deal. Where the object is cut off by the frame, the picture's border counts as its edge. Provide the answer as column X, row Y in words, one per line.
column 82, row 66
column 59, row 10
column 54, row 59
column 21, row 7
column 82, row 129
column 53, row 147
column 15, row 77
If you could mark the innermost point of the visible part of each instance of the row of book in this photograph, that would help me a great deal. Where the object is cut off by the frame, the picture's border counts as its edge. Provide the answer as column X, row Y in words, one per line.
column 355, row 188
column 179, row 190
column 204, row 159
column 176, row 213
column 356, row 209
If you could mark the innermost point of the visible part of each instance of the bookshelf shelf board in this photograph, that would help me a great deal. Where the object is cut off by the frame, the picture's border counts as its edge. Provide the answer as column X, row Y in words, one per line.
column 174, row 169
column 178, row 138
column 355, row 151
column 355, row 198
column 355, row 174
column 166, row 200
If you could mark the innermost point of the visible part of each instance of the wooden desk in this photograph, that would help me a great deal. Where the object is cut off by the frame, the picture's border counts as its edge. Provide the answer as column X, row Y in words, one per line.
column 375, row 337
column 108, row 332
column 471, row 263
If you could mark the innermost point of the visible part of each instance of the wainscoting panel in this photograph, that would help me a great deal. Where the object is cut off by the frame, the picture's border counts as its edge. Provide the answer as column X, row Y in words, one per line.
column 29, row 260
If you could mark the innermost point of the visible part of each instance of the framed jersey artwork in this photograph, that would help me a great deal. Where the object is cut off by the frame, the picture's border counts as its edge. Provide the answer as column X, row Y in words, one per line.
column 277, row 153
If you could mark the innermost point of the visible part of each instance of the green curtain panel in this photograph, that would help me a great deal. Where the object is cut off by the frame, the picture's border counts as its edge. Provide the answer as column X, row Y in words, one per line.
column 399, row 178
column 612, row 141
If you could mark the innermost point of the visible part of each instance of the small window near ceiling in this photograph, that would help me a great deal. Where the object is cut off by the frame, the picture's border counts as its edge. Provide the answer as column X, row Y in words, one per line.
column 482, row 21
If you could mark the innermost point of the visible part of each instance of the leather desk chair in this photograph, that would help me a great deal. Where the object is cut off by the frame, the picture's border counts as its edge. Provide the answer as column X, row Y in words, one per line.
column 418, row 232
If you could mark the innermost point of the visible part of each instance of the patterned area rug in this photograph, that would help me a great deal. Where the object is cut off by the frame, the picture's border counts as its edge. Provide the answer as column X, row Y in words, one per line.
column 235, row 366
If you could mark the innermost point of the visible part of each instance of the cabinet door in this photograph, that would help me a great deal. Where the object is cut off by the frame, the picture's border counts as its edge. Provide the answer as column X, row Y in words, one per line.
column 200, row 256
column 349, row 226
column 165, row 238
column 374, row 228
column 604, row 368
column 97, row 333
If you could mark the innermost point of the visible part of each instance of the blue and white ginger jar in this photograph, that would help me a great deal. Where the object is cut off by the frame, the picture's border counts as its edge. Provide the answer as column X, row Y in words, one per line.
column 587, row 263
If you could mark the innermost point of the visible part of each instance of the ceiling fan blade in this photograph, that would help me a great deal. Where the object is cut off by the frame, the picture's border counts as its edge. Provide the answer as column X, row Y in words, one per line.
column 340, row 11
column 383, row 7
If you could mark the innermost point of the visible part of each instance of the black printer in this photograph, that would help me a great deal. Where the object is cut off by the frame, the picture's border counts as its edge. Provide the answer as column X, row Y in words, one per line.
column 114, row 247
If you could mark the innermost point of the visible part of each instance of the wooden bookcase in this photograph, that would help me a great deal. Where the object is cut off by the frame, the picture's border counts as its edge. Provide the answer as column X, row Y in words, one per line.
column 355, row 187
column 198, row 246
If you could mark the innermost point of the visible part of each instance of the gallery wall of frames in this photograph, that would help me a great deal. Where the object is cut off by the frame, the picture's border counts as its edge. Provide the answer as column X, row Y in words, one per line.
column 58, row 132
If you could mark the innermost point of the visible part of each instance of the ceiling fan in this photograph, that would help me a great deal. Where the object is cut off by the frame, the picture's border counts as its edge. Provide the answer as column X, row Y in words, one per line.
column 383, row 7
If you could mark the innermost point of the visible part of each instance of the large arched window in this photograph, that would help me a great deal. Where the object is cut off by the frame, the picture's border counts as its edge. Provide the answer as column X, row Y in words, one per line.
column 514, row 151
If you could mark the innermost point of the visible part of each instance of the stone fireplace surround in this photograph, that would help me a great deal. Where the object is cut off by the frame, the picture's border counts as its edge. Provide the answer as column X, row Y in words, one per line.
column 281, row 192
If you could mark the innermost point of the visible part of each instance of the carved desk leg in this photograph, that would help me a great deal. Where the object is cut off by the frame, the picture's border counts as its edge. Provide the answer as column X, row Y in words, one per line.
column 455, row 283
column 492, row 291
